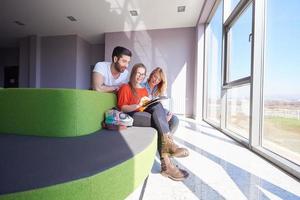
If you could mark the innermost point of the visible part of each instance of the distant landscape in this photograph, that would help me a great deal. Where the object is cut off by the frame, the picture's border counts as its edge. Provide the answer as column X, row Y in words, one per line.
column 282, row 108
column 281, row 124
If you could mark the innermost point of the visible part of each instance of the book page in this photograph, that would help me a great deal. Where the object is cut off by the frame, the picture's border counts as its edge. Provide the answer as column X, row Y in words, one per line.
column 154, row 100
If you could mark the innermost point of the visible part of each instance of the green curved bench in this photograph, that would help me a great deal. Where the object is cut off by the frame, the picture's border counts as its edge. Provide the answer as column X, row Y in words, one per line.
column 53, row 112
column 78, row 161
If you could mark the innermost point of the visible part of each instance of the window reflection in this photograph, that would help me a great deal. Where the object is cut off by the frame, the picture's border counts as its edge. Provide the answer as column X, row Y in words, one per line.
column 281, row 126
column 239, row 46
column 214, row 56
column 237, row 110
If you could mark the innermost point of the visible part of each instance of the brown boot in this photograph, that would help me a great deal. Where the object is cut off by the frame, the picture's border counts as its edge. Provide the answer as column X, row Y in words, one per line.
column 169, row 147
column 171, row 171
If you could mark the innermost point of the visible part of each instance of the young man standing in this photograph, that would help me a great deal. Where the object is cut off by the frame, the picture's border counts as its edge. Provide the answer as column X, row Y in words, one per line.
column 108, row 76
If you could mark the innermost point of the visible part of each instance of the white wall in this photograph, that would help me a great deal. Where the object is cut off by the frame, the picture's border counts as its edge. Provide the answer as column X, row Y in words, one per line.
column 173, row 50
column 83, row 60
column 24, row 62
column 199, row 92
column 58, row 61
column 97, row 53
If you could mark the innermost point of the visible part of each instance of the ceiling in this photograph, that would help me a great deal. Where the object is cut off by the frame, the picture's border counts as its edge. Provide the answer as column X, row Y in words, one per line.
column 94, row 17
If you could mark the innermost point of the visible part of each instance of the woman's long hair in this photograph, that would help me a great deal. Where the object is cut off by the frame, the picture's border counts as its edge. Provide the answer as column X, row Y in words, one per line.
column 162, row 86
column 133, row 75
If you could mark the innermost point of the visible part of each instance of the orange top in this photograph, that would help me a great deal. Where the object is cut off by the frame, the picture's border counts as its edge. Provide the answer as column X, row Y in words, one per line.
column 126, row 97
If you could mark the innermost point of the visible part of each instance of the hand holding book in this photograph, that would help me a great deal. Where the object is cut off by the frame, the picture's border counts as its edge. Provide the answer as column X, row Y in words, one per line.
column 144, row 100
column 148, row 102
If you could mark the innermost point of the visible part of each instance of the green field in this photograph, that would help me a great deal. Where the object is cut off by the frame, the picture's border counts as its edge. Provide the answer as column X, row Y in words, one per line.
column 285, row 133
column 287, row 124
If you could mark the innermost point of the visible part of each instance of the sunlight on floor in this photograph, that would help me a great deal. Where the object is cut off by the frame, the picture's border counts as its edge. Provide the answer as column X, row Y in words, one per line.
column 219, row 168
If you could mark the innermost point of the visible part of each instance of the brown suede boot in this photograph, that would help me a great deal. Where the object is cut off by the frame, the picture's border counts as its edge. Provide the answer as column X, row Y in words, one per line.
column 171, row 148
column 171, row 171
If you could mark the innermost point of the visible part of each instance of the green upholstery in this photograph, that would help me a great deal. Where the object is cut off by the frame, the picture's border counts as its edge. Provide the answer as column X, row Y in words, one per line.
column 70, row 113
column 113, row 184
column 53, row 112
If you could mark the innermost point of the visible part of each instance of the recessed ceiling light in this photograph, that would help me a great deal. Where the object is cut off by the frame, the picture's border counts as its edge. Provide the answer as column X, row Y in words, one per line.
column 133, row 13
column 72, row 19
column 19, row 23
column 180, row 8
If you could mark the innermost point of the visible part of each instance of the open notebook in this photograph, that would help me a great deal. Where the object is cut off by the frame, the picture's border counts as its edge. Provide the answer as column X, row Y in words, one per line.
column 153, row 101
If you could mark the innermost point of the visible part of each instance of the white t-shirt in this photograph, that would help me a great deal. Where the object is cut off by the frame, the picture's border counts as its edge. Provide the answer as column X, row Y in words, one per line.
column 104, row 69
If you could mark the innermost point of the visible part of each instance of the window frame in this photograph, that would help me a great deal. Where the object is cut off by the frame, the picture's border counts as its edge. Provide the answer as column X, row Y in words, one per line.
column 257, row 93
column 255, row 80
column 227, row 85
column 205, row 78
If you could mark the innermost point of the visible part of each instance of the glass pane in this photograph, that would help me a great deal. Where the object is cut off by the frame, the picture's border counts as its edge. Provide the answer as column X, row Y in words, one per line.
column 214, row 56
column 281, row 126
column 229, row 7
column 239, row 46
column 237, row 110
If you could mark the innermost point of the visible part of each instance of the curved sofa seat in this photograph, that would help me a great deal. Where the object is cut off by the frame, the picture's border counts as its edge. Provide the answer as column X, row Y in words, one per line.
column 53, row 112
column 102, row 165
column 51, row 147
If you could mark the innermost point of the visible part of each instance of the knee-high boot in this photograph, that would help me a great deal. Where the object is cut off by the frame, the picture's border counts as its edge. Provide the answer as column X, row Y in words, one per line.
column 168, row 169
column 171, row 148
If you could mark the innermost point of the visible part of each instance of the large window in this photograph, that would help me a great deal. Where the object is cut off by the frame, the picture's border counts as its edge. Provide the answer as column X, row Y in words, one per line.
column 229, row 5
column 237, row 113
column 281, row 126
column 237, row 72
column 214, row 59
column 252, row 80
column 239, row 46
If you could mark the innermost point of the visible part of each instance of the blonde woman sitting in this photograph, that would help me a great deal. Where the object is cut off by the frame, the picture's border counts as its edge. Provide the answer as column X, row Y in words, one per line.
column 130, row 100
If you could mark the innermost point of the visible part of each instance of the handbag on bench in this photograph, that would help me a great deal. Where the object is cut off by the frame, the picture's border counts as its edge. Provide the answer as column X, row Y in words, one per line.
column 116, row 120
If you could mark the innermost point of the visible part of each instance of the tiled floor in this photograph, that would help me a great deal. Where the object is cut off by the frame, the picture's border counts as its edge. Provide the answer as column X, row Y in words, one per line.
column 219, row 168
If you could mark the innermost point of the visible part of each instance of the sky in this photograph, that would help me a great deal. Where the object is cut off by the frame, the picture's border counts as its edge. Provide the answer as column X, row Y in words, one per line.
column 282, row 57
column 282, row 47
